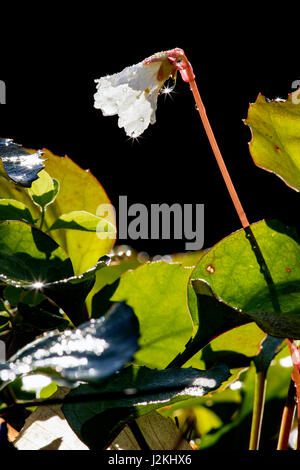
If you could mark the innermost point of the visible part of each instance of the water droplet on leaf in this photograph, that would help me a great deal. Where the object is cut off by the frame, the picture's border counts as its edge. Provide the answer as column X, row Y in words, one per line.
column 210, row 269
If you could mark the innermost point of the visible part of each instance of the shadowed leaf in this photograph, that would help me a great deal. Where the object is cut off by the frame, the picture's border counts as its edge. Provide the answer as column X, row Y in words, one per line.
column 11, row 209
column 169, row 386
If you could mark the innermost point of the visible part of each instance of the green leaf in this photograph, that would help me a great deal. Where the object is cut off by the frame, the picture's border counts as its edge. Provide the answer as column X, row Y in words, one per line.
column 219, row 335
column 152, row 389
column 81, row 220
column 70, row 293
column 275, row 126
column 234, row 434
column 189, row 258
column 33, row 266
column 79, row 191
column 257, row 272
column 105, row 279
column 11, row 209
column 157, row 293
column 3, row 307
column 211, row 316
column 269, row 348
column 16, row 295
column 17, row 164
column 4, row 320
column 42, row 320
column 236, row 348
column 91, row 353
column 28, row 256
column 44, row 190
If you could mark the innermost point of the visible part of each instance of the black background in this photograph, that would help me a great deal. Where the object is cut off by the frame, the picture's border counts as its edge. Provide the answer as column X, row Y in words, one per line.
column 49, row 68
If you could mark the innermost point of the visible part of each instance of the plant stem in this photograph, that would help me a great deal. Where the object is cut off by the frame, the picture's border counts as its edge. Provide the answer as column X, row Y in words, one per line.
column 260, row 379
column 295, row 354
column 258, row 409
column 42, row 218
column 215, row 148
column 287, row 418
column 138, row 435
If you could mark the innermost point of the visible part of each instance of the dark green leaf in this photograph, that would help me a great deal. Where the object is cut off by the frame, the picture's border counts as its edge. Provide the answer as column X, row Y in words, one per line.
column 32, row 261
column 4, row 319
column 41, row 319
column 17, row 295
column 70, row 293
column 29, row 256
column 211, row 317
column 14, row 210
column 91, row 353
column 269, row 348
column 169, row 386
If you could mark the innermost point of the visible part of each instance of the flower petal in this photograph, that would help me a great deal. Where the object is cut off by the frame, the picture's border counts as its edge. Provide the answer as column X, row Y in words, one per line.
column 132, row 94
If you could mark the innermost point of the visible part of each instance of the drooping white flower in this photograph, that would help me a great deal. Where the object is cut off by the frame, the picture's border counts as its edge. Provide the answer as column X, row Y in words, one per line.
column 133, row 93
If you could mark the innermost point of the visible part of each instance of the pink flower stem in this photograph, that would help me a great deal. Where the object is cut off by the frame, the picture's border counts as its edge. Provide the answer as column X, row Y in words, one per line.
column 287, row 418
column 187, row 74
column 295, row 354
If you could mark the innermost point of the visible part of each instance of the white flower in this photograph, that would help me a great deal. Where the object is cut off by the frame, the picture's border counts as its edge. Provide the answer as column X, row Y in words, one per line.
column 133, row 93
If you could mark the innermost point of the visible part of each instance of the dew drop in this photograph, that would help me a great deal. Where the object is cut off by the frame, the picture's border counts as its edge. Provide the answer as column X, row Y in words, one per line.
column 210, row 269
column 37, row 285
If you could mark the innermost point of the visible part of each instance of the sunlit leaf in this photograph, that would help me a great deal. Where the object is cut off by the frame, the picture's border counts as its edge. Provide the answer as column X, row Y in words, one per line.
column 258, row 273
column 44, row 190
column 275, row 126
column 157, row 293
column 79, row 190
column 81, row 220
column 103, row 287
